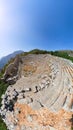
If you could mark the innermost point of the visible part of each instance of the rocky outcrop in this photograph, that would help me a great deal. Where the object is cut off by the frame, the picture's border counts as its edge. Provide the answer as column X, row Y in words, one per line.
column 11, row 72
column 42, row 98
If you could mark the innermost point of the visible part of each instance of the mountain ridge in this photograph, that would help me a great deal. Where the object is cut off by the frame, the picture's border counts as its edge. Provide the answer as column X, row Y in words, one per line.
column 4, row 60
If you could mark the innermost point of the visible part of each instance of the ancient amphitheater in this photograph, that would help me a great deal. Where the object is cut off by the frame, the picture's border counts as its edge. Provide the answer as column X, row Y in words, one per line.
column 42, row 97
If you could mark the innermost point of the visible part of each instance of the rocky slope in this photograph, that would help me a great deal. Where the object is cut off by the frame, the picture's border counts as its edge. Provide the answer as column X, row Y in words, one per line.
column 4, row 60
column 42, row 97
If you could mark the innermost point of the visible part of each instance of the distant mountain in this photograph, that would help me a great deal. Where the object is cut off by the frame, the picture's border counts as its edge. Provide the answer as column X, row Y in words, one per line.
column 5, row 59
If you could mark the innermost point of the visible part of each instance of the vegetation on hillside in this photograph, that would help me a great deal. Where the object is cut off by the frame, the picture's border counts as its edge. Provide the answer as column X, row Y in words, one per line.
column 63, row 54
column 2, row 124
column 3, row 85
column 4, row 68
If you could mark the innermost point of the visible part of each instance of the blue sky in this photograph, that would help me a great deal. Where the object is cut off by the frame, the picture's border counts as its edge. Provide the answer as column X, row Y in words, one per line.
column 29, row 24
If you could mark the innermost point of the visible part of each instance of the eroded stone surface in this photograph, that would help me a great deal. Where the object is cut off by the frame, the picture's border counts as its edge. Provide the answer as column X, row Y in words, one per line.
column 42, row 99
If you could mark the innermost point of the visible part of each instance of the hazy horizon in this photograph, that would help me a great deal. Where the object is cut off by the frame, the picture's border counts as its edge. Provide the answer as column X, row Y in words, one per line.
column 26, row 25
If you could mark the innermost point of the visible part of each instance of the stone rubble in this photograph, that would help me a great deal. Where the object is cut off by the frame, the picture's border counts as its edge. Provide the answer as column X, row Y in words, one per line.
column 42, row 99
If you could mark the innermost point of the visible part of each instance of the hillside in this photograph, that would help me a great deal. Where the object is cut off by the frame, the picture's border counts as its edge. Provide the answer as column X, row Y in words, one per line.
column 41, row 96
column 4, row 60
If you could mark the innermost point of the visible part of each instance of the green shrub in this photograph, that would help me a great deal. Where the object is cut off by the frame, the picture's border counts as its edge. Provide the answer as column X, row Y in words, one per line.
column 62, row 54
column 3, row 87
column 2, row 125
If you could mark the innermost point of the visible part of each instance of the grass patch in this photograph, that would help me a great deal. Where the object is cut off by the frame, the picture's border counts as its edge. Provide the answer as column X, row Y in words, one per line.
column 2, row 124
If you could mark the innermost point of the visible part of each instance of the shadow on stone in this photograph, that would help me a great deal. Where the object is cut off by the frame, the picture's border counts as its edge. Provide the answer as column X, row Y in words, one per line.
column 71, row 120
